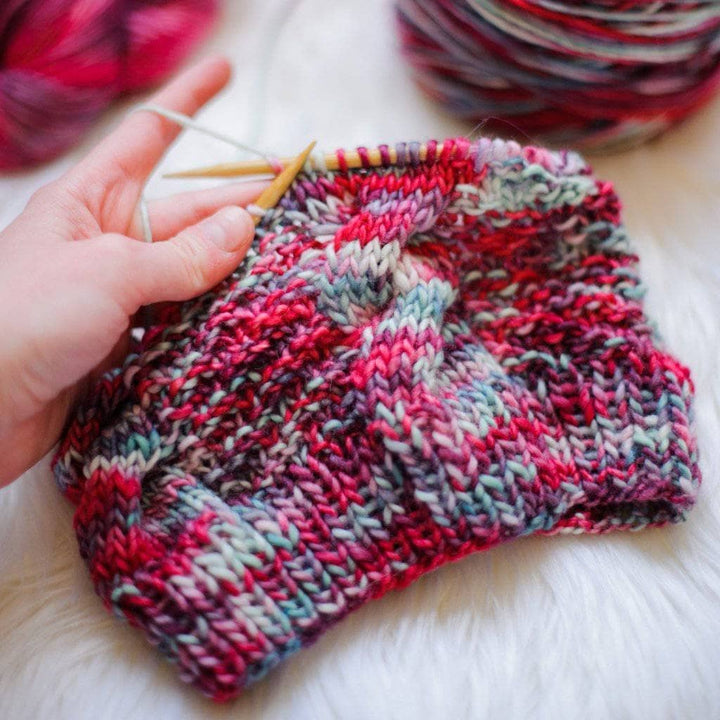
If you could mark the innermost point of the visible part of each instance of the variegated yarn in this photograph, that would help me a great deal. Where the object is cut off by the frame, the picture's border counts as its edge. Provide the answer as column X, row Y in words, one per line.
column 413, row 363
column 598, row 74
column 62, row 62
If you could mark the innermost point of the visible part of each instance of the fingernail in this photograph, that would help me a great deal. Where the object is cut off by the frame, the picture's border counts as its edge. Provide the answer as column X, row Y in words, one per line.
column 229, row 229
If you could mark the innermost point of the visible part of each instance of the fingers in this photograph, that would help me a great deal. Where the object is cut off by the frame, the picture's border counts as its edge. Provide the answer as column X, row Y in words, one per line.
column 137, row 145
column 187, row 265
column 169, row 216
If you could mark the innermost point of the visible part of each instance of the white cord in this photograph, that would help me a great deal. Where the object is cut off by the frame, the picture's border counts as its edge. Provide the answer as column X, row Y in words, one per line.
column 189, row 124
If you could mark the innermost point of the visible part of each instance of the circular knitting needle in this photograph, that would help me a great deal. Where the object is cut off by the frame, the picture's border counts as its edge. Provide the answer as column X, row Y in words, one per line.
column 273, row 192
column 331, row 161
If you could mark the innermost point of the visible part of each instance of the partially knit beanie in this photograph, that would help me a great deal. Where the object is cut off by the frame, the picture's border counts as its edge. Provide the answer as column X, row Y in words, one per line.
column 413, row 362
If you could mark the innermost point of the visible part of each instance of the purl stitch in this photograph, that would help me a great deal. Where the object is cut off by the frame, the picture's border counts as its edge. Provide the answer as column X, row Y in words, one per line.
column 412, row 363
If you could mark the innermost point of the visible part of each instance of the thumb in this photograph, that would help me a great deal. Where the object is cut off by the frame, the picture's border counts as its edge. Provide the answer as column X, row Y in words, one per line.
column 194, row 260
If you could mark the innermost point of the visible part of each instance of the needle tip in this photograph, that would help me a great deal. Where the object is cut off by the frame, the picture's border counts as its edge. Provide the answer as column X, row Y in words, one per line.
column 277, row 188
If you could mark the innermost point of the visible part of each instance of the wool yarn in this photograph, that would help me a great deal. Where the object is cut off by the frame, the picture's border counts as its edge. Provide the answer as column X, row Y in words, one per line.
column 62, row 62
column 601, row 75
column 414, row 362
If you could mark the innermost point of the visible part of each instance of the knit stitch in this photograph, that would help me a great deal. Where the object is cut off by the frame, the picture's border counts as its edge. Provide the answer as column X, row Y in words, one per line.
column 412, row 363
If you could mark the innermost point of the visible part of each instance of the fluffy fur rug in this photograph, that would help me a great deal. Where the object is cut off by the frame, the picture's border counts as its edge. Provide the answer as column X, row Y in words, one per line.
column 621, row 626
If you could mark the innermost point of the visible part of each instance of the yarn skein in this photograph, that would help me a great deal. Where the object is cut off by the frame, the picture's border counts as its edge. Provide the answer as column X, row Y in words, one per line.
column 601, row 75
column 62, row 62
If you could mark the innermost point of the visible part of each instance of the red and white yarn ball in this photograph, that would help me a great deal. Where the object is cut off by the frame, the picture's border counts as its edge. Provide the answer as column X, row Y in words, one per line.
column 598, row 74
column 62, row 62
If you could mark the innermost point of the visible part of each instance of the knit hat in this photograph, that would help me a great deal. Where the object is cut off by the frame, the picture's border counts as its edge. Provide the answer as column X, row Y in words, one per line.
column 413, row 362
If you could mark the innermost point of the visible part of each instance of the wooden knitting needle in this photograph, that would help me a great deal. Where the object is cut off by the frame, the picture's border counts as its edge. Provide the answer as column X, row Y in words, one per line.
column 270, row 196
column 352, row 159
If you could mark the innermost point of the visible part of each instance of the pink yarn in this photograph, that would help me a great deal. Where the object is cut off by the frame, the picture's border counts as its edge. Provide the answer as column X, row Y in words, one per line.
column 62, row 62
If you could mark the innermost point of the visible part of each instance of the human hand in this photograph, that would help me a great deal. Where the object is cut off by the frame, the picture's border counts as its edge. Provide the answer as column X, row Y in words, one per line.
column 74, row 271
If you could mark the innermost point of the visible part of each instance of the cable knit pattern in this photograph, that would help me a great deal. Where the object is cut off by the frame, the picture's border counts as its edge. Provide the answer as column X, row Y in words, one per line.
column 412, row 363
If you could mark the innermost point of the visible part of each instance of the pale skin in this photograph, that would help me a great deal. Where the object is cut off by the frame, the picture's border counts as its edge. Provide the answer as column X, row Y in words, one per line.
column 74, row 271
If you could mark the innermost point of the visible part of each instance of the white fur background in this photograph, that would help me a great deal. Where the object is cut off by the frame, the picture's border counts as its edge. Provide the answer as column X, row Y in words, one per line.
column 622, row 626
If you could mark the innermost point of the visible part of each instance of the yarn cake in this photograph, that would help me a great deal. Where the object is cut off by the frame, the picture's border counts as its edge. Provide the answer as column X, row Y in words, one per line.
column 602, row 75
column 62, row 62
column 413, row 362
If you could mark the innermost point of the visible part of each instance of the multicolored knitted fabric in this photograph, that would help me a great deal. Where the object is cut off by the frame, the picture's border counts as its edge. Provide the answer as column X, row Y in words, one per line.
column 414, row 362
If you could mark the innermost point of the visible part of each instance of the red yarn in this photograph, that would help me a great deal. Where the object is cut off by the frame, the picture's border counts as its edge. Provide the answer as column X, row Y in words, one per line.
column 63, row 61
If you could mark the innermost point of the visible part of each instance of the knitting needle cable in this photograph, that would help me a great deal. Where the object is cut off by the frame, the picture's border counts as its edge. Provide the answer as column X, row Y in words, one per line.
column 189, row 123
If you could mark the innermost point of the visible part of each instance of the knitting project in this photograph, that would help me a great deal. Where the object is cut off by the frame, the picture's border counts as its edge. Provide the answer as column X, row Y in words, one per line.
column 412, row 363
